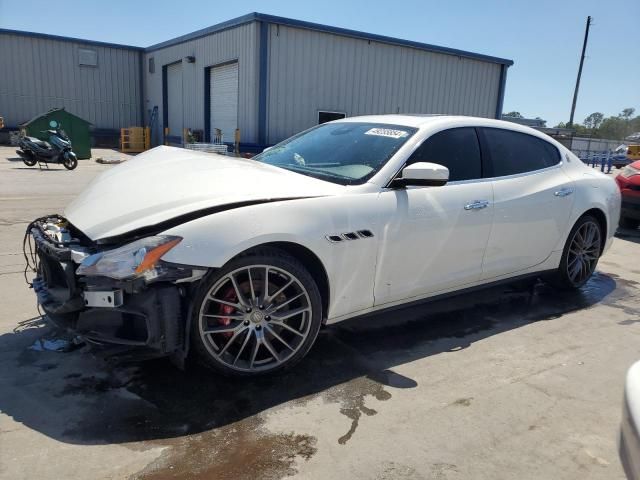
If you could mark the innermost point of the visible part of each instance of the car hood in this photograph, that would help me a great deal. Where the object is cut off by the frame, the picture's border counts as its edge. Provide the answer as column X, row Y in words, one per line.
column 166, row 183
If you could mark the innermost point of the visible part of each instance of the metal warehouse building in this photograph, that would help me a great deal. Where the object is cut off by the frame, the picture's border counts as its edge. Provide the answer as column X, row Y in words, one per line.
column 100, row 82
column 269, row 76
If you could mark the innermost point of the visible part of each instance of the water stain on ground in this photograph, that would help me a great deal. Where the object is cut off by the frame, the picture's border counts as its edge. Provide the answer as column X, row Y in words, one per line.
column 242, row 451
column 352, row 397
column 462, row 402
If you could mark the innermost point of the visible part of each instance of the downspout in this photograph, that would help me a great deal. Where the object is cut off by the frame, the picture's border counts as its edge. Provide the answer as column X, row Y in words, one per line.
column 263, row 64
column 141, row 86
column 501, row 90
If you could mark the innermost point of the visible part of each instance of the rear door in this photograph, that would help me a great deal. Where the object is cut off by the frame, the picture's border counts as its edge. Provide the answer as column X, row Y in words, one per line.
column 532, row 200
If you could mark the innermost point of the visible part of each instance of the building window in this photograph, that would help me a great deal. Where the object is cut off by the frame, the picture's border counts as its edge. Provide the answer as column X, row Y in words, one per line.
column 152, row 65
column 324, row 117
column 87, row 57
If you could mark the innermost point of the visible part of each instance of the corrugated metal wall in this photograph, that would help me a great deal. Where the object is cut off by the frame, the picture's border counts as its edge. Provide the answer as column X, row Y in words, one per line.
column 239, row 43
column 311, row 71
column 39, row 74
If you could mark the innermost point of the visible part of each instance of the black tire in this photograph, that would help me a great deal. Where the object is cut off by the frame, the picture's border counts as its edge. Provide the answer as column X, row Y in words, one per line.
column 70, row 161
column 562, row 278
column 30, row 162
column 213, row 352
column 632, row 223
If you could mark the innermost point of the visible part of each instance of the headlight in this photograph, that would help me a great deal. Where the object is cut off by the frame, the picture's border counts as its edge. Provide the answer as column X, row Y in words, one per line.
column 133, row 260
column 629, row 171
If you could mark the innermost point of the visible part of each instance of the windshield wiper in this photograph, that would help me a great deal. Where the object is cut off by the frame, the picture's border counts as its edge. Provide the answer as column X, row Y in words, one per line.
column 310, row 170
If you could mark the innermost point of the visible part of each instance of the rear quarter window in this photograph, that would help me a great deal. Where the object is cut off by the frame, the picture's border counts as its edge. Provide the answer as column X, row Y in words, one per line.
column 510, row 153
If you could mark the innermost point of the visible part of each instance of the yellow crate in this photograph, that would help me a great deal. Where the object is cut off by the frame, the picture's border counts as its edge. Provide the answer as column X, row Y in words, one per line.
column 135, row 139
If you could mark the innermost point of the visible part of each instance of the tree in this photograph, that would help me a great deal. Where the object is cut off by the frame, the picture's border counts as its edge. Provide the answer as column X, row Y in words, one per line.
column 594, row 120
column 514, row 114
column 627, row 113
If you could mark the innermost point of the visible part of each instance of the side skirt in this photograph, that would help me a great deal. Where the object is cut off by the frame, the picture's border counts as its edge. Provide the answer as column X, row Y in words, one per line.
column 454, row 293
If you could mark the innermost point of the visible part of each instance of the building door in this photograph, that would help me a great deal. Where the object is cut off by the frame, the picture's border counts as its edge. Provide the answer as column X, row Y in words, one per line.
column 174, row 101
column 224, row 101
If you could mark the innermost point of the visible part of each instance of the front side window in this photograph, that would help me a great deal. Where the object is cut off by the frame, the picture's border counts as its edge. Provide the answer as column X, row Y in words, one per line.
column 512, row 152
column 457, row 149
column 347, row 153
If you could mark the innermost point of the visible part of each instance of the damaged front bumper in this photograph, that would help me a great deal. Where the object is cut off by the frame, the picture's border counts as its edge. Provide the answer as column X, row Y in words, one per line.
column 147, row 315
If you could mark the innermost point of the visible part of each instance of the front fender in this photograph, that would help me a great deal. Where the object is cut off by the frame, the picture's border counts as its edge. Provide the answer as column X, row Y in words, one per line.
column 214, row 240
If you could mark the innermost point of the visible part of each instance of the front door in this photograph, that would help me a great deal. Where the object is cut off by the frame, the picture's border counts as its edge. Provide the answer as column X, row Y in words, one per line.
column 435, row 237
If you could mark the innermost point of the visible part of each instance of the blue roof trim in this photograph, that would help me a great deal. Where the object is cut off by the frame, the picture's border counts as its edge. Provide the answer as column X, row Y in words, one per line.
column 234, row 22
column 47, row 36
column 380, row 38
column 261, row 17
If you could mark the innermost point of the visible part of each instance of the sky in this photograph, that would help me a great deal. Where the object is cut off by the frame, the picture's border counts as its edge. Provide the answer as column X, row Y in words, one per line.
column 542, row 37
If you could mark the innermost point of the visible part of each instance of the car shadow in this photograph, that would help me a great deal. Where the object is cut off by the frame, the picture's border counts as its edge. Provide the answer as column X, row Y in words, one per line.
column 631, row 235
column 75, row 398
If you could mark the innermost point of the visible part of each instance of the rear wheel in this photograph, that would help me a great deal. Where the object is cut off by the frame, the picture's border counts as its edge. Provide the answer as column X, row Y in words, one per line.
column 580, row 255
column 259, row 314
column 626, row 222
column 30, row 161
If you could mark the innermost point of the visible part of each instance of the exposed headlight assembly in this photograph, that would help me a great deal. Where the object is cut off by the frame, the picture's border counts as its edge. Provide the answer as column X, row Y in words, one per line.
column 136, row 259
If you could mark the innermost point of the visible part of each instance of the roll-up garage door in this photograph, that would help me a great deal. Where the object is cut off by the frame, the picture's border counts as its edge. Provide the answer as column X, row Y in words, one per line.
column 224, row 100
column 174, row 99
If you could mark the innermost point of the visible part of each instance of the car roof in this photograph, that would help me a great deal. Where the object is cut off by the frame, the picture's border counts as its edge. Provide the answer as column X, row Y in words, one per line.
column 423, row 120
column 436, row 122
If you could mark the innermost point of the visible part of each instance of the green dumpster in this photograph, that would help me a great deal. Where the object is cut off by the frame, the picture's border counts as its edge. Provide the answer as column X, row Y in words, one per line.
column 75, row 127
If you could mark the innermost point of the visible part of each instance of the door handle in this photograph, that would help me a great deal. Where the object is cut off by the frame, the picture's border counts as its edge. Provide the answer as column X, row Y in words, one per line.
column 563, row 192
column 477, row 205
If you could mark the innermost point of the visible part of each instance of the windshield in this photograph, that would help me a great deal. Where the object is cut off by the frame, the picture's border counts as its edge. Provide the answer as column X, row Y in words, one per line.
column 345, row 153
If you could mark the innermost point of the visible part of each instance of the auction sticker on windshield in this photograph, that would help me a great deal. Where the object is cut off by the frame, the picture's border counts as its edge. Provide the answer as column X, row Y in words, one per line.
column 387, row 132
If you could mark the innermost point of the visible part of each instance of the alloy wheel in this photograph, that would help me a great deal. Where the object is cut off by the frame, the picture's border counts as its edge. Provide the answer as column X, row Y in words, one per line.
column 255, row 318
column 584, row 251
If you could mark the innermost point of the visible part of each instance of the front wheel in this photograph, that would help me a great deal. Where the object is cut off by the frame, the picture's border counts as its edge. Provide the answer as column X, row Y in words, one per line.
column 258, row 314
column 70, row 161
column 580, row 255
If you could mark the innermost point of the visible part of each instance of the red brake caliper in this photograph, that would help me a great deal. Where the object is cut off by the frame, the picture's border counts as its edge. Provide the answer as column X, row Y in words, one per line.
column 229, row 296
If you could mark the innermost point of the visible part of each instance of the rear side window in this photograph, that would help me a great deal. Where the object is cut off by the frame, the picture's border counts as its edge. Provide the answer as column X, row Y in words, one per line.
column 457, row 149
column 512, row 152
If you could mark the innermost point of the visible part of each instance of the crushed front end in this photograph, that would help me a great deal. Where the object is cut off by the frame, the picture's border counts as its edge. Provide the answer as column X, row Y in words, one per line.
column 111, row 295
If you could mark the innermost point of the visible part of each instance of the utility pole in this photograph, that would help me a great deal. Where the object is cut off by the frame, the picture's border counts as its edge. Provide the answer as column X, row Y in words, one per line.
column 575, row 92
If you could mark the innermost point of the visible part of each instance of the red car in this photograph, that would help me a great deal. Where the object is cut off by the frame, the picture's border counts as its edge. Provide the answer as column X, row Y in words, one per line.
column 629, row 183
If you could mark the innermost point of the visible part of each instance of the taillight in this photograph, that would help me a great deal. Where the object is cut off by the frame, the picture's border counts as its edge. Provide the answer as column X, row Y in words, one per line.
column 629, row 171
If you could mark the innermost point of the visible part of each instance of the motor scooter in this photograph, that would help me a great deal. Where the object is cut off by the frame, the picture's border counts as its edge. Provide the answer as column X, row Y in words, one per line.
column 56, row 150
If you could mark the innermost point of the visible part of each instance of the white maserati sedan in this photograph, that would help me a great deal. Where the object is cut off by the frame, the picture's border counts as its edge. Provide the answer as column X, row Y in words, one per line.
column 240, row 262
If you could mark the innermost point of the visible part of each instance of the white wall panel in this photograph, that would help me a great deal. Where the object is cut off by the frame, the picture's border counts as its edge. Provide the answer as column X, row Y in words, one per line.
column 311, row 71
column 239, row 43
column 39, row 74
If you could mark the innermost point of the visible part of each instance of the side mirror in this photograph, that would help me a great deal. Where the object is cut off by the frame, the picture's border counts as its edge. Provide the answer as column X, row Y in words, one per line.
column 422, row 174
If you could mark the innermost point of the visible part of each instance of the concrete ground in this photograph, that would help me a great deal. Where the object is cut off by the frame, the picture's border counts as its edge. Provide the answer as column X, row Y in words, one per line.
column 514, row 382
